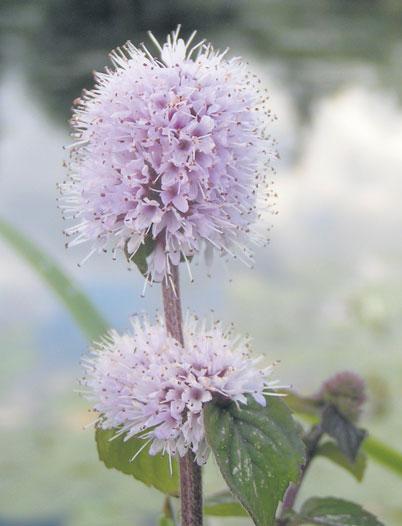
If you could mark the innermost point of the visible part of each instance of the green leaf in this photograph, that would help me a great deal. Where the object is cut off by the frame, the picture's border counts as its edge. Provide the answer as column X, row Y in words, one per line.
column 223, row 504
column 383, row 454
column 329, row 511
column 375, row 448
column 258, row 450
column 165, row 521
column 151, row 470
column 81, row 309
column 347, row 435
column 333, row 453
column 140, row 257
column 302, row 404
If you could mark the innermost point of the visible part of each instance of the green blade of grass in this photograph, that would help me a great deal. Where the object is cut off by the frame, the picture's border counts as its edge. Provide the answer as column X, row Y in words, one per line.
column 81, row 309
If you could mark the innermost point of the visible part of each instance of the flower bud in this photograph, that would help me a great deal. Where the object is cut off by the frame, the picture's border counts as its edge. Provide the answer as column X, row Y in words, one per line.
column 346, row 391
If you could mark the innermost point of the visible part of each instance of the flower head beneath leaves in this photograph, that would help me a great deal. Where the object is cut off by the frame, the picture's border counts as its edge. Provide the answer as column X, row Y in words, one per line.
column 172, row 152
column 146, row 383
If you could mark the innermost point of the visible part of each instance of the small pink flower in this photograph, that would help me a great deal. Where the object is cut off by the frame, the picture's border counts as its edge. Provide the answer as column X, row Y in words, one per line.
column 174, row 149
column 145, row 382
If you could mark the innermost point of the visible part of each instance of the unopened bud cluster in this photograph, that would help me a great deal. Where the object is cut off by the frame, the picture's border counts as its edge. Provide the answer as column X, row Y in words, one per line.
column 347, row 392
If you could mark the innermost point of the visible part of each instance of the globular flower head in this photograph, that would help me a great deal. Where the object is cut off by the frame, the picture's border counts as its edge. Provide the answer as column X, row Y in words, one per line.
column 146, row 383
column 172, row 152
column 346, row 391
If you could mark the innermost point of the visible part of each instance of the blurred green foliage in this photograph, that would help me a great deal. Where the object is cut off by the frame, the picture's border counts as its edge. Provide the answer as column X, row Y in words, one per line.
column 79, row 306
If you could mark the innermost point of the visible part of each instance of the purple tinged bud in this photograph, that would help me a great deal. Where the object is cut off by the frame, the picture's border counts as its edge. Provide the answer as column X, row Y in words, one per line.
column 346, row 391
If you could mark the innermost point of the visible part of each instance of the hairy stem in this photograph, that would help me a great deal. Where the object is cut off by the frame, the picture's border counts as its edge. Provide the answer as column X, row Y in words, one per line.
column 190, row 471
column 311, row 440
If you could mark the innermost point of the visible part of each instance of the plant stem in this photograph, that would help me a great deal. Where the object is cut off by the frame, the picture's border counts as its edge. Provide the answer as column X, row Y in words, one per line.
column 190, row 471
column 168, row 508
column 311, row 440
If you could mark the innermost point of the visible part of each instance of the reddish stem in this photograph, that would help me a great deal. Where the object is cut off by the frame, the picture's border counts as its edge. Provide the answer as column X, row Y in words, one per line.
column 190, row 471
column 311, row 440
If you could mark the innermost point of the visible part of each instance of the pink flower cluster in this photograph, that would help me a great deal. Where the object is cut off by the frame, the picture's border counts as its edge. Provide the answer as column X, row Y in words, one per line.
column 174, row 150
column 145, row 382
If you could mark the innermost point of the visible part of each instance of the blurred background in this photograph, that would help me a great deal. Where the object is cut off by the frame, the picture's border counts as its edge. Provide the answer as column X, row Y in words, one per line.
column 325, row 296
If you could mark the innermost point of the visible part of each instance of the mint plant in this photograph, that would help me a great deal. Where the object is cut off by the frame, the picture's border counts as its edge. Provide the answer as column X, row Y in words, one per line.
column 170, row 160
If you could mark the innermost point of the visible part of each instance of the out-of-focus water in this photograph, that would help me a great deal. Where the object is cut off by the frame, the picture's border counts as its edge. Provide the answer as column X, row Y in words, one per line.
column 326, row 295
